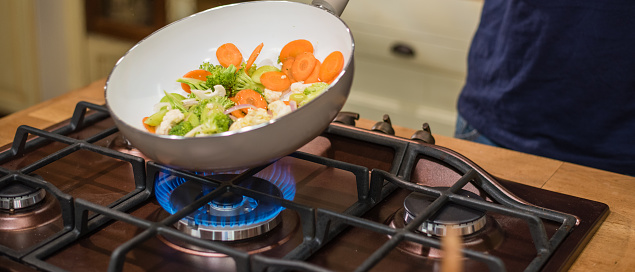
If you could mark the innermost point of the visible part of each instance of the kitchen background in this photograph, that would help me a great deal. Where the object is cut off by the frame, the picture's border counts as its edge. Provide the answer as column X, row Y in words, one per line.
column 410, row 54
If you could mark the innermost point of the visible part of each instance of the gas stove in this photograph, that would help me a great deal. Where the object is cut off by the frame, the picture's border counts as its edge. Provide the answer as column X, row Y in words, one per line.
column 79, row 197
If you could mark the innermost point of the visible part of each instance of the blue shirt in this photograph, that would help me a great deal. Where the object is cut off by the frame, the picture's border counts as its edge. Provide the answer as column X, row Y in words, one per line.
column 556, row 78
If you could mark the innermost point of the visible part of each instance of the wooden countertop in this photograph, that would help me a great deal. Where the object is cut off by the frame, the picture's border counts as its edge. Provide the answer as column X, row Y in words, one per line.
column 608, row 250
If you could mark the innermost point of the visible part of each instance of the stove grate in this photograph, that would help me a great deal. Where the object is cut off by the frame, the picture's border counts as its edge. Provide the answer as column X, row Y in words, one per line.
column 319, row 226
column 75, row 223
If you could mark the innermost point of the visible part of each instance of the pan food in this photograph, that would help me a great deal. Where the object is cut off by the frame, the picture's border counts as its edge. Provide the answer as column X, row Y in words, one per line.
column 149, row 70
column 234, row 94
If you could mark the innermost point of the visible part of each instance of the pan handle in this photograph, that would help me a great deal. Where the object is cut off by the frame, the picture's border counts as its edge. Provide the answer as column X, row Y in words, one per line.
column 333, row 6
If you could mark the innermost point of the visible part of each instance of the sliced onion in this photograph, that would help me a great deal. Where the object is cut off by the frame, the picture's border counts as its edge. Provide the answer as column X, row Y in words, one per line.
column 160, row 105
column 285, row 95
column 239, row 107
column 293, row 105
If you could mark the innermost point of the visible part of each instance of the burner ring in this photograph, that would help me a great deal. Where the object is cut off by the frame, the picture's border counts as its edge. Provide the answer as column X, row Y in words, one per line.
column 19, row 196
column 467, row 220
column 229, row 216
column 233, row 233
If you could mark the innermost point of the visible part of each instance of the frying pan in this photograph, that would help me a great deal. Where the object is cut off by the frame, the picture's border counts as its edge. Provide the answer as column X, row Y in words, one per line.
column 139, row 78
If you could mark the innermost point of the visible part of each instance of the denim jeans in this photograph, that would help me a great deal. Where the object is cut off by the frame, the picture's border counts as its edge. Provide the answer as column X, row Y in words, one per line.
column 466, row 132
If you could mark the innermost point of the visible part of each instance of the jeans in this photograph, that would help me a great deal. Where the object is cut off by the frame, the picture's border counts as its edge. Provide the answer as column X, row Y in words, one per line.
column 466, row 132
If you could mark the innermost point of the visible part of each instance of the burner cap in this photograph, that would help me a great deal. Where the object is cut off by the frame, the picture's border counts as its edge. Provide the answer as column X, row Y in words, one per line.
column 18, row 196
column 466, row 219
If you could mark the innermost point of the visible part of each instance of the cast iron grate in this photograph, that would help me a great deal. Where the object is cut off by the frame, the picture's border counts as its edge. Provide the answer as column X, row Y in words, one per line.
column 319, row 225
column 24, row 142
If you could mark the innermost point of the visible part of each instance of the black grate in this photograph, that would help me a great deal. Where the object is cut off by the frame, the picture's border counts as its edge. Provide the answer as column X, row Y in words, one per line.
column 319, row 226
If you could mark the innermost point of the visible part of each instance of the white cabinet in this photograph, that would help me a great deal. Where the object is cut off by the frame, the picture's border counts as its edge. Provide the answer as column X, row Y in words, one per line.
column 416, row 89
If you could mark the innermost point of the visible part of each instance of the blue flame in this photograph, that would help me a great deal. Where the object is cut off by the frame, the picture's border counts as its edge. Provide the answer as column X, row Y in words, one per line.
column 248, row 211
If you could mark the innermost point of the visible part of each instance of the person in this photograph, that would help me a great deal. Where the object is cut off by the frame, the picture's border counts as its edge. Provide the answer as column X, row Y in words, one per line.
column 554, row 79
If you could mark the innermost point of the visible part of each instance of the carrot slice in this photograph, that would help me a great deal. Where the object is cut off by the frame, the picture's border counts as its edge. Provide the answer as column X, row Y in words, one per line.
column 151, row 129
column 199, row 74
column 331, row 66
column 315, row 75
column 293, row 48
column 253, row 57
column 228, row 54
column 303, row 66
column 287, row 65
column 275, row 81
column 237, row 113
column 248, row 96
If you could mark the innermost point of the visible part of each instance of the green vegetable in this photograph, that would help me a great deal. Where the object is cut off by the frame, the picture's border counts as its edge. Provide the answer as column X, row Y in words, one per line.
column 252, row 69
column 313, row 91
column 176, row 96
column 194, row 83
column 175, row 101
column 297, row 97
column 221, row 102
column 220, row 75
column 202, row 112
column 215, row 122
column 192, row 118
column 156, row 118
column 181, row 128
column 243, row 81
column 255, row 76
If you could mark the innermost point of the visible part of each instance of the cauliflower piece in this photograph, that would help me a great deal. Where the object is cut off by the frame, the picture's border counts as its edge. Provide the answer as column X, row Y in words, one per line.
column 171, row 118
column 219, row 90
column 272, row 96
column 298, row 87
column 253, row 117
column 279, row 108
column 189, row 102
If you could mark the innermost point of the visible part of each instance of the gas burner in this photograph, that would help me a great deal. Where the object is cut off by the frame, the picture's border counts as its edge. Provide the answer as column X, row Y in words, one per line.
column 276, row 238
column 480, row 231
column 229, row 217
column 18, row 196
column 28, row 216
column 465, row 219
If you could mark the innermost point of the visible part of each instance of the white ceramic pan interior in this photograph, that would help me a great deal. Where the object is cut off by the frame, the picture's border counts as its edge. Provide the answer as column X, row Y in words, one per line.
column 138, row 80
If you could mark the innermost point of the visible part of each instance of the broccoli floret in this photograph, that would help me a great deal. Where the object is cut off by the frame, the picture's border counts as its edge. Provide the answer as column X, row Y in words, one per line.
column 197, row 109
column 181, row 128
column 221, row 102
column 243, row 81
column 313, row 91
column 215, row 122
column 220, row 75
column 216, row 103
column 194, row 83
column 207, row 66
